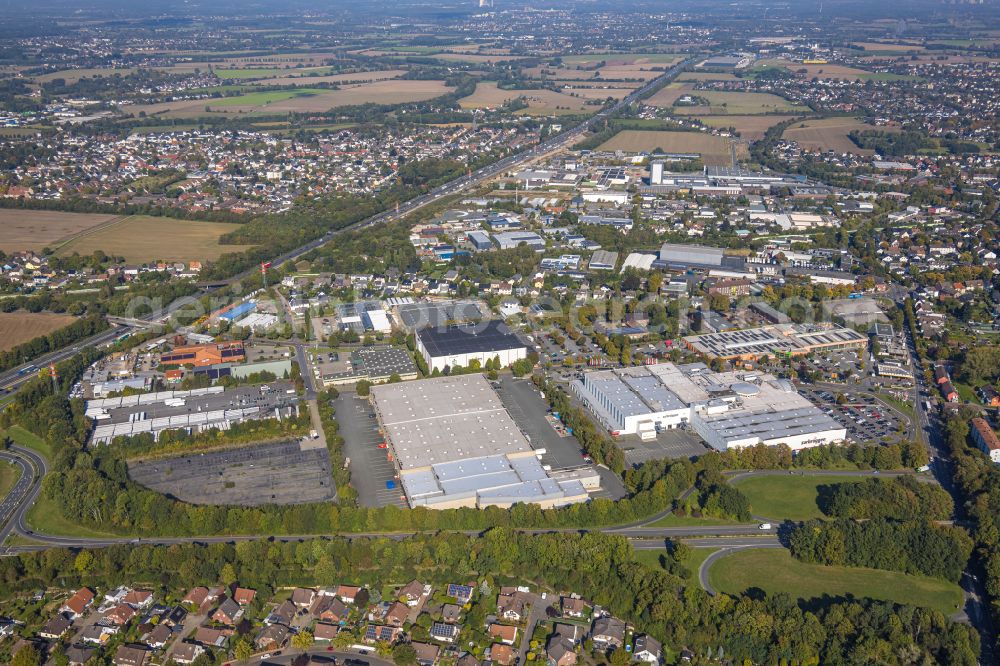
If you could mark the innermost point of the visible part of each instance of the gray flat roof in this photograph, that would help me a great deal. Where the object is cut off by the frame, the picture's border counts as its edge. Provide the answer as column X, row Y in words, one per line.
column 446, row 419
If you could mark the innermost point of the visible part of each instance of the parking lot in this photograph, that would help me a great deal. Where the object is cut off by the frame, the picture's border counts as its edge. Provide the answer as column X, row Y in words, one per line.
column 528, row 409
column 836, row 364
column 677, row 443
column 865, row 418
column 370, row 466
column 288, row 472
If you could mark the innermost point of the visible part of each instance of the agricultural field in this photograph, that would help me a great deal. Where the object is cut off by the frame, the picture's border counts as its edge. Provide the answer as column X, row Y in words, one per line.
column 833, row 71
column 738, row 103
column 670, row 93
column 591, row 59
column 715, row 150
column 705, row 76
column 73, row 75
column 142, row 239
column 888, row 47
column 19, row 326
column 790, row 497
column 355, row 77
column 776, row 572
column 540, row 101
column 830, row 134
column 597, row 93
column 751, row 128
column 37, row 229
column 251, row 101
column 300, row 100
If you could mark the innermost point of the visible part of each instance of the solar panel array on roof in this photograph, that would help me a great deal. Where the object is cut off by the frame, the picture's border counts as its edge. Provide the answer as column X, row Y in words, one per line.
column 421, row 315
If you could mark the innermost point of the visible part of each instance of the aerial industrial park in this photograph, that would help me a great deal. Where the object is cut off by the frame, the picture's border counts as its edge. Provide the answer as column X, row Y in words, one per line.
column 495, row 333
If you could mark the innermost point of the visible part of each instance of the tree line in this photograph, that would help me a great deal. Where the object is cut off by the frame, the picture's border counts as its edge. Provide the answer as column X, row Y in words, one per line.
column 901, row 498
column 914, row 547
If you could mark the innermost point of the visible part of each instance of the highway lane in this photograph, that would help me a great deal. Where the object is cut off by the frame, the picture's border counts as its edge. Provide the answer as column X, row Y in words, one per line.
column 17, row 494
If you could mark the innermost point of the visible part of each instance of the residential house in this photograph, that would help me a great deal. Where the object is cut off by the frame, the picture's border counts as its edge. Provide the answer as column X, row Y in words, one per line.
column 501, row 654
column 210, row 637
column 446, row 633
column 380, row 632
column 138, row 599
column 505, row 633
column 196, row 597
column 573, row 607
column 244, row 596
column 560, row 650
column 186, row 653
column 647, row 649
column 450, row 613
column 396, row 615
column 96, row 634
column 56, row 628
column 120, row 615
column 303, row 596
column 158, row 638
column 76, row 605
column 127, row 655
column 512, row 605
column 462, row 593
column 271, row 637
column 608, row 633
column 469, row 660
column 229, row 613
column 347, row 593
column 324, row 631
column 411, row 593
column 283, row 614
column 78, row 655
column 427, row 654
column 329, row 609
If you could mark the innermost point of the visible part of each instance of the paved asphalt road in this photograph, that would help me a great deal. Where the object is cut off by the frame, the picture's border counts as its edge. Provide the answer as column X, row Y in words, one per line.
column 17, row 494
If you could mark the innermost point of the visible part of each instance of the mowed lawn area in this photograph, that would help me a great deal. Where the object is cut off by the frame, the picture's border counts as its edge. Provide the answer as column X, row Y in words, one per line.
column 787, row 496
column 775, row 571
column 144, row 238
column 20, row 326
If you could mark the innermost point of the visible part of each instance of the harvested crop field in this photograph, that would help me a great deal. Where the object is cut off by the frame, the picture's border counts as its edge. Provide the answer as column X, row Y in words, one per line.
column 300, row 100
column 714, row 150
column 737, row 103
column 667, row 95
column 597, row 93
column 20, row 326
column 356, row 77
column 751, row 128
column 591, row 59
column 830, row 134
column 143, row 238
column 705, row 76
column 37, row 229
column 71, row 76
column 540, row 101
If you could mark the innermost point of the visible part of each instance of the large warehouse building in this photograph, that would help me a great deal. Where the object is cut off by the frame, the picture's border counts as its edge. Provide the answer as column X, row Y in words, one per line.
column 725, row 409
column 455, row 445
column 460, row 345
column 777, row 340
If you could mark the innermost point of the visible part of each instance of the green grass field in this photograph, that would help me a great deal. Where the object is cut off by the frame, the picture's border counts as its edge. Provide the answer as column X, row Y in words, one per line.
column 28, row 440
column 776, row 571
column 9, row 474
column 791, row 497
column 651, row 558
